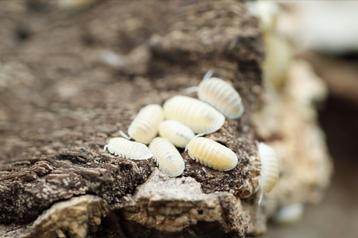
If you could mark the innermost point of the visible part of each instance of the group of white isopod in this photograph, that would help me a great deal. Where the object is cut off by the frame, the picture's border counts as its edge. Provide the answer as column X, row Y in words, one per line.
column 177, row 122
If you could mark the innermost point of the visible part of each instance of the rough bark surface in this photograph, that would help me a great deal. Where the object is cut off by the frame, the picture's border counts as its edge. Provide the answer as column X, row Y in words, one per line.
column 63, row 96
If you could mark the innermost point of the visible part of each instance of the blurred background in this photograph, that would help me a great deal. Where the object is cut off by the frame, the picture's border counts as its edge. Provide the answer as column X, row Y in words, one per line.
column 325, row 33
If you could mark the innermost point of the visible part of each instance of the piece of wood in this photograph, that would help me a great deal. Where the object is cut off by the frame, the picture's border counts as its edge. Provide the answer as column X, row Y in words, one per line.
column 61, row 102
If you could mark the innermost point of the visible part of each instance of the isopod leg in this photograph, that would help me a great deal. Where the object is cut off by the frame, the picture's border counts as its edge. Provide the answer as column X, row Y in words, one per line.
column 200, row 135
column 190, row 90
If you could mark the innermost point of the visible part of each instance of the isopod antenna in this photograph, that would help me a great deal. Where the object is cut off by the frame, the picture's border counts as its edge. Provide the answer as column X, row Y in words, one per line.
column 208, row 74
column 124, row 135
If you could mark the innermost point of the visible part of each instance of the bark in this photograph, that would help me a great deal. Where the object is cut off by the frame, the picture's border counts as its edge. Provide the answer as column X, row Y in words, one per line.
column 55, row 178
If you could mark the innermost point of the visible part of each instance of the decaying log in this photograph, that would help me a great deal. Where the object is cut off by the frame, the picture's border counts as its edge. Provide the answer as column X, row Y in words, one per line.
column 72, row 102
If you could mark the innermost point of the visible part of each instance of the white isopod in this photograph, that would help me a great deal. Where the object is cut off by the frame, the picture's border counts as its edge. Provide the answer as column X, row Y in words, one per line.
column 145, row 125
column 269, row 167
column 199, row 116
column 222, row 96
column 128, row 149
column 167, row 157
column 212, row 154
column 289, row 214
column 176, row 132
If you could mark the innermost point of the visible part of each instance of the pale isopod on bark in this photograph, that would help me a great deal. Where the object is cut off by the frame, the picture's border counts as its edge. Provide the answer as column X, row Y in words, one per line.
column 145, row 125
column 176, row 132
column 128, row 149
column 167, row 157
column 199, row 116
column 269, row 167
column 212, row 154
column 222, row 96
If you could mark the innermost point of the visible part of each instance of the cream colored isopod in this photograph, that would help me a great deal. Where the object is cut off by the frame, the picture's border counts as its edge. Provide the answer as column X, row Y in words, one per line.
column 167, row 157
column 212, row 154
column 222, row 96
column 145, row 125
column 289, row 214
column 199, row 116
column 176, row 132
column 269, row 167
column 128, row 149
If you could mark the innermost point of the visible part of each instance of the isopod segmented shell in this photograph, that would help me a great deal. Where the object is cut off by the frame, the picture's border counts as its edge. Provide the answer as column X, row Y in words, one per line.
column 167, row 157
column 145, row 125
column 269, row 167
column 128, row 149
column 222, row 96
column 212, row 154
column 199, row 116
column 176, row 132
